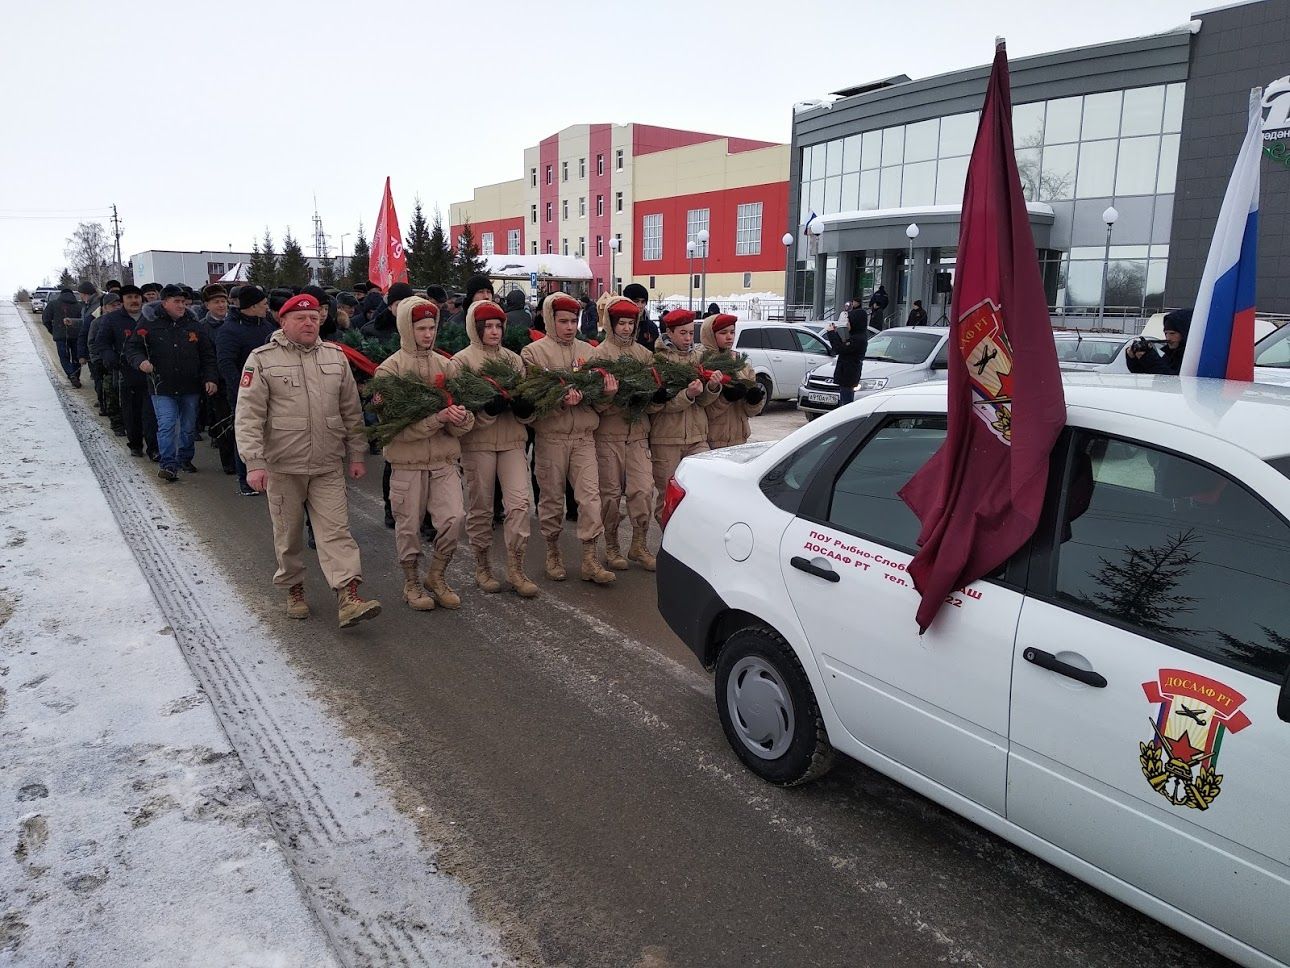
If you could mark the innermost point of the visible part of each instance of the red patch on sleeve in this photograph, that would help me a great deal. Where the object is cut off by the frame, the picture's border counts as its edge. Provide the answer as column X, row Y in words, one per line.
column 247, row 376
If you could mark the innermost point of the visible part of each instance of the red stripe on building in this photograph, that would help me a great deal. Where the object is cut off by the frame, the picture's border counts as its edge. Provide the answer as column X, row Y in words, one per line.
column 599, row 186
column 723, row 208
column 548, row 193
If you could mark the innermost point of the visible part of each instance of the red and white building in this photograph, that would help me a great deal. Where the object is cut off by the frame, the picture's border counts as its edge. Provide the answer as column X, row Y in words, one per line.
column 653, row 189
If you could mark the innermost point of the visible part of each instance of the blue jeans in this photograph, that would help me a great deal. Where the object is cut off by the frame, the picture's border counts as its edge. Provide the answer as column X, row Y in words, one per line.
column 176, row 425
column 67, row 357
column 846, row 395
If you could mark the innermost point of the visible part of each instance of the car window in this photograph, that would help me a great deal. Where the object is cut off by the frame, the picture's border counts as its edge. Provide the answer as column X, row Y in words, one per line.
column 811, row 344
column 1177, row 551
column 752, row 339
column 941, row 361
column 1274, row 349
column 864, row 500
column 903, row 347
column 780, row 339
column 785, row 483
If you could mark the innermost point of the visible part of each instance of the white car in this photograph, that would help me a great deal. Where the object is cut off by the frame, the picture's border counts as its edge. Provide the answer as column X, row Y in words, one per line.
column 1271, row 358
column 896, row 357
column 781, row 354
column 1113, row 699
column 40, row 297
column 1087, row 352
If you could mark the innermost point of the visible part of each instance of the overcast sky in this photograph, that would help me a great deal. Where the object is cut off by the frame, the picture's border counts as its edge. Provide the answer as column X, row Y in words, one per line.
column 205, row 123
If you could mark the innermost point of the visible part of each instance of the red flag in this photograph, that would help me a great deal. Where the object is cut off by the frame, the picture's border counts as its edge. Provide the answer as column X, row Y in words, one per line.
column 388, row 263
column 980, row 495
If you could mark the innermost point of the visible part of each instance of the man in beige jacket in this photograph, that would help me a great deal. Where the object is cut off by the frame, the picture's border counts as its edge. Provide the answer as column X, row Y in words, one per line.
column 681, row 428
column 622, row 448
column 728, row 414
column 298, row 422
column 493, row 451
column 425, row 462
column 565, row 448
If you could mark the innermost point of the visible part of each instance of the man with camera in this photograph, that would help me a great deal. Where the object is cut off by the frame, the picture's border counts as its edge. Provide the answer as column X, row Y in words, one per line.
column 1143, row 357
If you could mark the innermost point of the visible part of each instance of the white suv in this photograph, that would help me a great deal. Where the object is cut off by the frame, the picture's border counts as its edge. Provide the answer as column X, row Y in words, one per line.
column 1113, row 699
column 781, row 354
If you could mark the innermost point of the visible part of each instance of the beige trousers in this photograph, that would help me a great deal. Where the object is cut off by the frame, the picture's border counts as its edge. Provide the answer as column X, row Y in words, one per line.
column 666, row 458
column 412, row 494
column 328, row 503
column 624, row 468
column 572, row 459
column 483, row 469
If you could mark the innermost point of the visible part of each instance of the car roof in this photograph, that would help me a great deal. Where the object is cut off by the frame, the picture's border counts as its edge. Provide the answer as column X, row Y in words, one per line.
column 1253, row 416
column 1106, row 337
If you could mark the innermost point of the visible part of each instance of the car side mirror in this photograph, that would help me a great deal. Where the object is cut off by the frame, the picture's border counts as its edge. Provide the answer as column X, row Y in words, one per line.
column 940, row 364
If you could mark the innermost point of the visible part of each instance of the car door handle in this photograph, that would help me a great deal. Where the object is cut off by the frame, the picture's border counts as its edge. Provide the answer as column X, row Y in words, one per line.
column 811, row 568
column 1046, row 660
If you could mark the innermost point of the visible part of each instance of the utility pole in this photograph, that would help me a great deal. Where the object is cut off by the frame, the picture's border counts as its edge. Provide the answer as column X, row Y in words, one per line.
column 116, row 237
column 320, row 237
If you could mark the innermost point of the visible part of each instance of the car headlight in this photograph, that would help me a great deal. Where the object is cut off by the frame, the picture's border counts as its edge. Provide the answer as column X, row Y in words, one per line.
column 874, row 383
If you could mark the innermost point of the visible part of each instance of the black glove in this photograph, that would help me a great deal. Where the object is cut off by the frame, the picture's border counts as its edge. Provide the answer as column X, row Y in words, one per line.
column 497, row 405
column 734, row 392
column 755, row 395
column 661, row 395
column 522, row 408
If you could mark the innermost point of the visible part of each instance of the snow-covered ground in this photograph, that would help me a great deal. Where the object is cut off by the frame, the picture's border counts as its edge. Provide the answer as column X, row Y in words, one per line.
column 162, row 809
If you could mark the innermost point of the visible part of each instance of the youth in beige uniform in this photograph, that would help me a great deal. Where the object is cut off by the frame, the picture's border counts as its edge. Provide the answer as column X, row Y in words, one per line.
column 681, row 427
column 728, row 414
column 492, row 451
column 622, row 448
column 425, row 462
column 298, row 422
column 564, row 448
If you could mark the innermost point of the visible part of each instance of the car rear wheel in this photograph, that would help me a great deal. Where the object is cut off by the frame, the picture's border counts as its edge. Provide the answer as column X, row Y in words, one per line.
column 768, row 710
column 763, row 381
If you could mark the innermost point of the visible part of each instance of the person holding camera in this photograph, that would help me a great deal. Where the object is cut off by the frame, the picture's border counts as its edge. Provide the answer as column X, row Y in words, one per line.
column 1166, row 360
column 850, row 353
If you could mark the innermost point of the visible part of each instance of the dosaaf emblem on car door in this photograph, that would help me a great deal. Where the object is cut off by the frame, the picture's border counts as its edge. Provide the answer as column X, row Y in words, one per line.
column 1195, row 714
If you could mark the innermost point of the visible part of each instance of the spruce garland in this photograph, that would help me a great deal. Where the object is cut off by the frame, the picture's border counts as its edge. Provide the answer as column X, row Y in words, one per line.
column 400, row 401
column 728, row 364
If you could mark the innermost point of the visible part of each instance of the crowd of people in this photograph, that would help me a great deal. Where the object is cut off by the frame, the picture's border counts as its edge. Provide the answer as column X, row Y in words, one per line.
column 264, row 375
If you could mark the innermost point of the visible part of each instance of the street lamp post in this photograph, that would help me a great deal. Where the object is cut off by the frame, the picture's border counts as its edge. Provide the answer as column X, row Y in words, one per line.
column 613, row 261
column 911, row 233
column 702, row 238
column 817, row 297
column 789, row 289
column 1109, row 217
column 689, row 267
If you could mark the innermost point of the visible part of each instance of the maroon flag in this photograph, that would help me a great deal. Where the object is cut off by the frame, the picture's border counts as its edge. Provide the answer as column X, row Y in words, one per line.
column 980, row 495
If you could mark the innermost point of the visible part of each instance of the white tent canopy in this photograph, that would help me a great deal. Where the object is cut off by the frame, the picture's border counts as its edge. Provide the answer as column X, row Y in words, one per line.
column 548, row 266
column 240, row 272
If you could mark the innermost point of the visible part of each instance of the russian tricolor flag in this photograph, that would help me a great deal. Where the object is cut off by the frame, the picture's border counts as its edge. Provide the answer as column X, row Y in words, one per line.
column 1221, row 341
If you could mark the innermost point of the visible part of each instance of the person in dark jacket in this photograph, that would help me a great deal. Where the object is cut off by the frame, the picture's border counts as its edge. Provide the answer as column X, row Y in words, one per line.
column 517, row 313
column 589, row 319
column 87, row 348
column 878, row 303
column 177, row 357
column 646, row 329
column 857, row 318
column 137, row 419
column 383, row 326
column 65, row 326
column 850, row 352
column 218, row 412
column 917, row 315
column 244, row 330
column 1166, row 360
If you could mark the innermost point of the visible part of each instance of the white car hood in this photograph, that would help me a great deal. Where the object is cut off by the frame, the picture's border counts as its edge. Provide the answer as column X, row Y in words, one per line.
column 738, row 454
column 871, row 369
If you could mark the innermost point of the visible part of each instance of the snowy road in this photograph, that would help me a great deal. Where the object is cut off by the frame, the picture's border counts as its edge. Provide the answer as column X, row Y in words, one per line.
column 565, row 759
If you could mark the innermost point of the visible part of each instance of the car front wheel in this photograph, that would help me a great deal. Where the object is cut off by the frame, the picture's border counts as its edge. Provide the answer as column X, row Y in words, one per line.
column 768, row 709
column 763, row 381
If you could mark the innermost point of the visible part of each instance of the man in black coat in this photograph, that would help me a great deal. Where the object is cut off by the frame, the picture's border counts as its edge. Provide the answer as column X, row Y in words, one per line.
column 878, row 303
column 850, row 353
column 65, row 326
column 917, row 315
column 114, row 330
column 176, row 355
column 1142, row 357
column 245, row 329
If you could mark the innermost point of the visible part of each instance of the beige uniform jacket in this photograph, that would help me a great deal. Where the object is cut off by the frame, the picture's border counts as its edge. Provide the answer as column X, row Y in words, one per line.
column 428, row 443
column 728, row 421
column 682, row 421
column 550, row 354
column 298, row 410
column 502, row 432
column 613, row 425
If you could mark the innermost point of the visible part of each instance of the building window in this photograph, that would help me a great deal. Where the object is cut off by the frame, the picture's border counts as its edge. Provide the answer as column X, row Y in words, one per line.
column 513, row 242
column 564, row 246
column 600, row 204
column 696, row 221
column 582, row 246
column 600, row 245
column 696, row 282
column 486, row 244
column 564, row 208
column 533, row 176
column 548, row 211
column 548, row 174
column 550, row 249
column 564, row 171
column 747, row 280
column 533, row 246
column 600, row 164
column 653, row 280
column 533, row 214
column 618, row 201
column 618, row 160
column 582, row 207
column 652, row 237
column 215, row 269
column 582, row 167
column 748, row 229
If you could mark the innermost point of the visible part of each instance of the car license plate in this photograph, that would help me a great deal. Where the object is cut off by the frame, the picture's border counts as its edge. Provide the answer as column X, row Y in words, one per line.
column 822, row 398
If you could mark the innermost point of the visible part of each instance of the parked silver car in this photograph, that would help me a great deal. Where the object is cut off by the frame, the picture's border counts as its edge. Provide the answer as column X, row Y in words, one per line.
column 896, row 357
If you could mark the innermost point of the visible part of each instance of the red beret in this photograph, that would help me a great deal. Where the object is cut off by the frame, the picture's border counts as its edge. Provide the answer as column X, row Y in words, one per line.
column 488, row 310
column 623, row 308
column 723, row 321
column 298, row 304
column 425, row 310
column 678, row 317
column 564, row 303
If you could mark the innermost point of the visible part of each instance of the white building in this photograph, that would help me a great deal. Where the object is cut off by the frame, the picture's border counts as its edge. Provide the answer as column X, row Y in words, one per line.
column 194, row 269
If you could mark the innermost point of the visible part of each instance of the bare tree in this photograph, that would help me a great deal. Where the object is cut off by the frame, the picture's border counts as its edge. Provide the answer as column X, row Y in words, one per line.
column 88, row 251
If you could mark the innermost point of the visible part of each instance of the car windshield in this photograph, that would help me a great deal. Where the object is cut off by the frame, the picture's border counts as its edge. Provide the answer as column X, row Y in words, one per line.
column 902, row 347
column 1098, row 351
column 1274, row 349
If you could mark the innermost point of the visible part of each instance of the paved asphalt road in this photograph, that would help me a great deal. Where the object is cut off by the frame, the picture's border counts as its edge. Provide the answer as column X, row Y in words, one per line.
column 571, row 749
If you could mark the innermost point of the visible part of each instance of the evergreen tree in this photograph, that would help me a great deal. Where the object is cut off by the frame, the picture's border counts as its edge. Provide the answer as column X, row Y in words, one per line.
column 327, row 272
column 468, row 261
column 439, row 262
column 65, row 281
column 417, row 248
column 263, row 267
column 293, row 268
column 358, row 262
